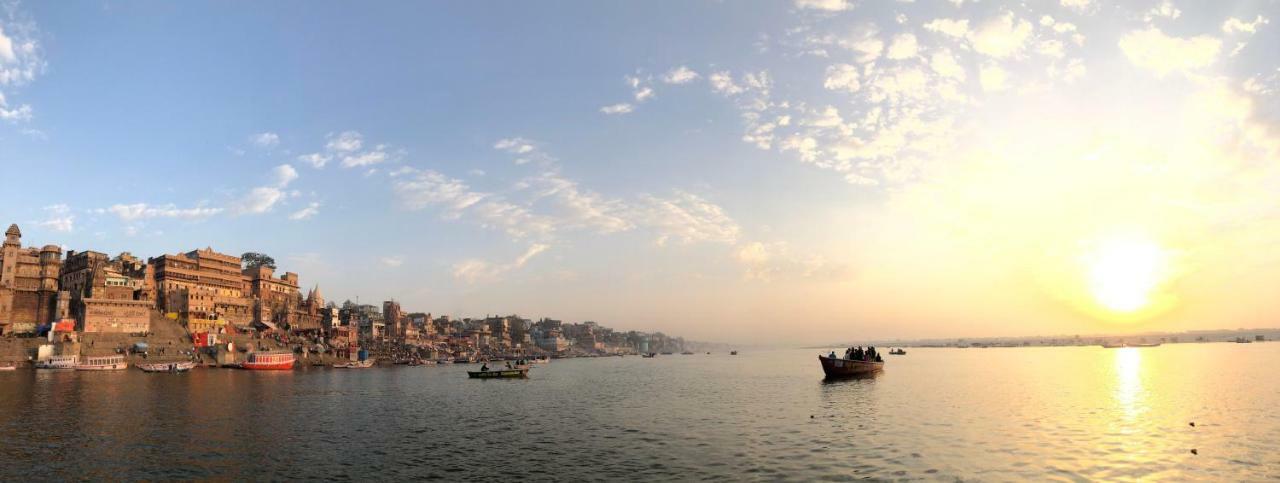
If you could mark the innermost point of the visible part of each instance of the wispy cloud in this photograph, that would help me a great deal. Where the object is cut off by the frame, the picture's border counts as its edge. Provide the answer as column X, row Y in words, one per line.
column 619, row 108
column 141, row 211
column 475, row 270
column 307, row 213
column 58, row 218
column 265, row 139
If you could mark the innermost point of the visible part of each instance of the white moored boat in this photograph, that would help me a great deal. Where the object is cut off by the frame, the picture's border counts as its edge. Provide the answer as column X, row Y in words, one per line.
column 58, row 362
column 102, row 363
column 167, row 367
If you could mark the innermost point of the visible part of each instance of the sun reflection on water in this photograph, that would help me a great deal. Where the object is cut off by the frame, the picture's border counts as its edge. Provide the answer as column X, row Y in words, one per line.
column 1130, row 395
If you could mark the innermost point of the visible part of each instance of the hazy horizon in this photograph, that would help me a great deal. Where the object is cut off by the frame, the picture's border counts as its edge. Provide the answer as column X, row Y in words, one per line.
column 770, row 173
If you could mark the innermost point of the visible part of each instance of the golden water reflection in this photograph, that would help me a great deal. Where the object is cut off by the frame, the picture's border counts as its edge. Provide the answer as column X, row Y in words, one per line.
column 1129, row 392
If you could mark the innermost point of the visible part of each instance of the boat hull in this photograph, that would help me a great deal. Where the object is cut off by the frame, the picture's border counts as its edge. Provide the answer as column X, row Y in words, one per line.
column 167, row 367
column 260, row 366
column 503, row 374
column 833, row 368
column 103, row 367
column 365, row 364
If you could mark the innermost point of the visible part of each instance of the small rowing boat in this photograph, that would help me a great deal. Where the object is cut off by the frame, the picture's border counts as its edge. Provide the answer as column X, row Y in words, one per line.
column 504, row 373
column 650, row 355
column 365, row 364
column 897, row 352
column 834, row 367
column 173, row 367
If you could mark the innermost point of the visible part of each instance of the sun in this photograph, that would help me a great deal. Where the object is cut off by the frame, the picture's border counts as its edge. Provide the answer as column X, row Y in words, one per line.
column 1124, row 274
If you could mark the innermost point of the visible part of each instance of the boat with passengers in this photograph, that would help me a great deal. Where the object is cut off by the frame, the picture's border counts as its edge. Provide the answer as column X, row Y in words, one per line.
column 854, row 363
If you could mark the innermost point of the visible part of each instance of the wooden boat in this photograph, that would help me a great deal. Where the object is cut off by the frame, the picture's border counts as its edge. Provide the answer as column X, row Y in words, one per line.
column 897, row 352
column 167, row 367
column 835, row 367
column 686, row 353
column 1119, row 345
column 650, row 355
column 8, row 367
column 102, row 363
column 365, row 364
column 269, row 361
column 733, row 353
column 541, row 360
column 502, row 373
column 58, row 362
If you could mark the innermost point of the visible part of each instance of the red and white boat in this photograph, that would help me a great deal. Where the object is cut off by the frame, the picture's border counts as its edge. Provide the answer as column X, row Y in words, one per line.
column 269, row 361
column 103, row 363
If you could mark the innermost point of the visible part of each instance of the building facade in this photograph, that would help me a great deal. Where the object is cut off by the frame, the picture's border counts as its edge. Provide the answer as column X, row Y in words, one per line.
column 204, row 288
column 29, row 295
column 108, row 295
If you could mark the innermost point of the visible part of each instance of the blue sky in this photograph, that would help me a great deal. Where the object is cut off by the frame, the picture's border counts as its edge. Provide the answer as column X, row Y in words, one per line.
column 714, row 169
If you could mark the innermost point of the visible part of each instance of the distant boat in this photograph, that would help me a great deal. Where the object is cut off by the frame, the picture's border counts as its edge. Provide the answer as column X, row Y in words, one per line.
column 103, row 363
column 897, row 352
column 733, row 353
column 666, row 353
column 504, row 373
column 650, row 355
column 686, row 353
column 1122, row 344
column 167, row 367
column 541, row 360
column 834, row 367
column 365, row 364
column 8, row 367
column 1242, row 340
column 58, row 362
column 269, row 361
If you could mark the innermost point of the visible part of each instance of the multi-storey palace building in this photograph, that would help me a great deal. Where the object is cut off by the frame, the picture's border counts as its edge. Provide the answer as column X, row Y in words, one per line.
column 203, row 287
column 29, row 294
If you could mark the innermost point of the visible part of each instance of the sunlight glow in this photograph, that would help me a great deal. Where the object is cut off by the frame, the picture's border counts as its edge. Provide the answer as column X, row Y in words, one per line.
column 1124, row 273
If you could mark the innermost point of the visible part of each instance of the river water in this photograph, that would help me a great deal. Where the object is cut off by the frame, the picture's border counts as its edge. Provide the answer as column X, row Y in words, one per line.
column 1071, row 413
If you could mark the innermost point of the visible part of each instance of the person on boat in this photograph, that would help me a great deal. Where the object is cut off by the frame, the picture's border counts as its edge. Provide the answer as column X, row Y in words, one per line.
column 871, row 353
column 484, row 368
column 832, row 356
column 508, row 364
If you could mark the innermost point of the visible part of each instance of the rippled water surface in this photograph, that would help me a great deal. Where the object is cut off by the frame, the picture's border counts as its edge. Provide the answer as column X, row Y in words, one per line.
column 1080, row 413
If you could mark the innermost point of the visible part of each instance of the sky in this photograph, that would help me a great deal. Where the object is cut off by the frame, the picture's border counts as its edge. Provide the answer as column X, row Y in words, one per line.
column 748, row 172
